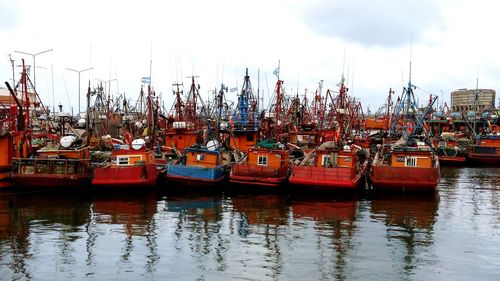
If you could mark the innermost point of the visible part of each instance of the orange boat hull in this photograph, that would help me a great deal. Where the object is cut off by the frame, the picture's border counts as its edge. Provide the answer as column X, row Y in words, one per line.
column 405, row 178
column 258, row 175
column 340, row 178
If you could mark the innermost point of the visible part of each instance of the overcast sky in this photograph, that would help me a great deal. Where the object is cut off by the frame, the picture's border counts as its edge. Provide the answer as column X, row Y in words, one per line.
column 452, row 43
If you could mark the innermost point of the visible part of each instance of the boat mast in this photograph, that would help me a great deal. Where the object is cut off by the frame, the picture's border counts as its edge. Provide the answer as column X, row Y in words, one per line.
column 389, row 104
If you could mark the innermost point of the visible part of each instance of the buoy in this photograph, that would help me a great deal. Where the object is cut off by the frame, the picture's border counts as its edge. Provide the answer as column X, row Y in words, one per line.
column 212, row 145
column 67, row 141
column 138, row 144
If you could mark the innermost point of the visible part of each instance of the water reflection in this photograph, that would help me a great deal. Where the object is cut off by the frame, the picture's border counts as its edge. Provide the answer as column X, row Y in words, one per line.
column 260, row 221
column 131, row 216
column 28, row 219
column 223, row 236
column 409, row 221
column 334, row 221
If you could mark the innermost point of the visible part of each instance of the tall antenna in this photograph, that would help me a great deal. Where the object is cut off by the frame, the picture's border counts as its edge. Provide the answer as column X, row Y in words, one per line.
column 258, row 90
column 351, row 87
column 13, row 72
column 151, row 62
column 343, row 63
column 53, row 99
column 279, row 68
column 411, row 53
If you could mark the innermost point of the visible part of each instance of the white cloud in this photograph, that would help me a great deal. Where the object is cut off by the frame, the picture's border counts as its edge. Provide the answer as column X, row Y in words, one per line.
column 453, row 43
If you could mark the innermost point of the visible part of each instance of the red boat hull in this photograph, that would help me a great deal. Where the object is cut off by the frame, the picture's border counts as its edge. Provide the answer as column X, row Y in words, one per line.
column 487, row 151
column 50, row 181
column 340, row 178
column 128, row 176
column 452, row 160
column 4, row 176
column 257, row 181
column 258, row 175
column 483, row 158
column 405, row 178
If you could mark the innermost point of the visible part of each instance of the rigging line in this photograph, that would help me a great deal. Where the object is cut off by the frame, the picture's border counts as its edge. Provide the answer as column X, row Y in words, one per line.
column 351, row 87
column 268, row 97
column 343, row 62
column 67, row 93
column 423, row 90
column 116, row 76
column 52, row 78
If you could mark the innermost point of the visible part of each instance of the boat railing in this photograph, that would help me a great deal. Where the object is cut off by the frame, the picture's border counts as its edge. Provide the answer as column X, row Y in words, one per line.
column 50, row 166
column 252, row 170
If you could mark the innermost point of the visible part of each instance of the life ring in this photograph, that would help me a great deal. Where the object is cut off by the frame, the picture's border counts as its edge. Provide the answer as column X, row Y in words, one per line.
column 410, row 127
column 332, row 136
column 127, row 137
column 494, row 128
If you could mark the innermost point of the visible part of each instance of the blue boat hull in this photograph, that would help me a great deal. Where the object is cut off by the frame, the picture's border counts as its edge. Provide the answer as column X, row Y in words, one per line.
column 195, row 175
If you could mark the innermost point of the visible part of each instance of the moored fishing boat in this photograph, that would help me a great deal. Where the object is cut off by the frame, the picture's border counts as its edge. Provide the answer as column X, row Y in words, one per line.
column 337, row 164
column 330, row 167
column 197, row 167
column 267, row 164
column 5, row 159
column 451, row 149
column 405, row 168
column 63, row 166
column 408, row 164
column 134, row 167
column 204, row 164
column 486, row 149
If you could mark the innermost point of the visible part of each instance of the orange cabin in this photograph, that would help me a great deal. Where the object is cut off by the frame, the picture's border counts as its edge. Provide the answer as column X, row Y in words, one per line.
column 268, row 158
column 244, row 140
column 304, row 139
column 180, row 139
column 489, row 142
column 421, row 159
column 203, row 158
column 325, row 158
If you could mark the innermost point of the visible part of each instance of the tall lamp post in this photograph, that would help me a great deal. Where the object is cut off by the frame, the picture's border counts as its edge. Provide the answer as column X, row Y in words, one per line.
column 34, row 65
column 79, row 72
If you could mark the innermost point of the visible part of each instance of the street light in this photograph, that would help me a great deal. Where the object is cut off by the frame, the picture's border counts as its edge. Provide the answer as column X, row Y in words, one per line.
column 79, row 72
column 34, row 65
column 107, row 84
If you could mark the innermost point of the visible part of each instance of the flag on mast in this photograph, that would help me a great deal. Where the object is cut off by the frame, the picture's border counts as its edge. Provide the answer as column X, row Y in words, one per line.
column 277, row 72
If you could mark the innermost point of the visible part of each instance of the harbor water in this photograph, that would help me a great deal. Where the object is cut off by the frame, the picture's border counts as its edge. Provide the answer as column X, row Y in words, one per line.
column 451, row 235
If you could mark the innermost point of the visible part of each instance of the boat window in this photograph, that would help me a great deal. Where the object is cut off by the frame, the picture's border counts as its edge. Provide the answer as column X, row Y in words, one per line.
column 123, row 160
column 200, row 157
column 249, row 137
column 327, row 161
column 262, row 160
column 411, row 162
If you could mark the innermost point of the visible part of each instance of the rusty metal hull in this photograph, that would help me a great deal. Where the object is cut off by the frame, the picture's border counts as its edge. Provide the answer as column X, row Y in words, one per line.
column 338, row 178
column 386, row 177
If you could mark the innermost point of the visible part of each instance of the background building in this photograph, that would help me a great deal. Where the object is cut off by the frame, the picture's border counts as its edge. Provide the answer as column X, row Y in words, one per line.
column 465, row 100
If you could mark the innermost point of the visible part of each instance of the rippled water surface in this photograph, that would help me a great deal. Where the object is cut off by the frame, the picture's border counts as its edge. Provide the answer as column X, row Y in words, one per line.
column 453, row 235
